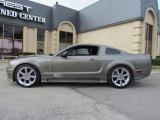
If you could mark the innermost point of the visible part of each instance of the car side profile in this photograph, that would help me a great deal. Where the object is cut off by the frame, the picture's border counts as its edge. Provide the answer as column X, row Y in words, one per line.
column 82, row 63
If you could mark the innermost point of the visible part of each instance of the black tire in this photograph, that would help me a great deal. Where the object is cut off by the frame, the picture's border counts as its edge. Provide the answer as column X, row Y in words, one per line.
column 36, row 73
column 128, row 79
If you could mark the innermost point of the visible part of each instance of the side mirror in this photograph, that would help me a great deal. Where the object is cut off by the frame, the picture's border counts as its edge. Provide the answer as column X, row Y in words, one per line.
column 64, row 54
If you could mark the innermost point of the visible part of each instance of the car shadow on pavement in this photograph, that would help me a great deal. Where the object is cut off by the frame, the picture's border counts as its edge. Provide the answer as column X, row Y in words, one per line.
column 139, row 84
column 84, row 85
column 136, row 84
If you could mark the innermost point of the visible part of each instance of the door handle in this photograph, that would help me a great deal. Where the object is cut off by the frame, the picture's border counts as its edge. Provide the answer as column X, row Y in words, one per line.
column 93, row 59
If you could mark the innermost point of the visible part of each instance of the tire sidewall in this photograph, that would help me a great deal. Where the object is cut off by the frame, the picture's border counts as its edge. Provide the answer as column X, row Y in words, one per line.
column 38, row 78
column 110, row 77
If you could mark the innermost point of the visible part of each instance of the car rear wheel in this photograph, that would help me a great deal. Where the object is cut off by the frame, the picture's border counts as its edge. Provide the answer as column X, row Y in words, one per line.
column 120, row 77
column 27, row 76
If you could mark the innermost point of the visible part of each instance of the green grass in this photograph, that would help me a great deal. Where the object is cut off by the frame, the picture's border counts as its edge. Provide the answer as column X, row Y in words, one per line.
column 155, row 66
column 158, row 57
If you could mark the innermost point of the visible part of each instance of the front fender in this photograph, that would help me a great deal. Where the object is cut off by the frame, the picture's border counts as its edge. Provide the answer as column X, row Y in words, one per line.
column 15, row 64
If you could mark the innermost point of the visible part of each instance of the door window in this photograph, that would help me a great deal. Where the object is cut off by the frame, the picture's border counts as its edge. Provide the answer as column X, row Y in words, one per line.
column 83, row 51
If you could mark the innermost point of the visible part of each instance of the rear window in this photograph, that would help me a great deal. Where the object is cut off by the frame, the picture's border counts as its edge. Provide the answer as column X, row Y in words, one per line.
column 112, row 51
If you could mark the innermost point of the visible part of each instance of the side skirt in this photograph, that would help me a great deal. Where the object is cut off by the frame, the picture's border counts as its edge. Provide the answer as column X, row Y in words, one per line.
column 74, row 81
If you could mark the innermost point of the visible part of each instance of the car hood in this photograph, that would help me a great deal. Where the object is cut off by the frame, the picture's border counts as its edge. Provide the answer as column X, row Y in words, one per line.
column 32, row 58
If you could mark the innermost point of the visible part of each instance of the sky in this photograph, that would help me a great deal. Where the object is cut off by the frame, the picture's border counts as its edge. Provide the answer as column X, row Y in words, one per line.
column 74, row 4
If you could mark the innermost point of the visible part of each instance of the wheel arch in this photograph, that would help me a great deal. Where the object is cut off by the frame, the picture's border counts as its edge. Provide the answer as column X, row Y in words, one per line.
column 26, row 64
column 128, row 65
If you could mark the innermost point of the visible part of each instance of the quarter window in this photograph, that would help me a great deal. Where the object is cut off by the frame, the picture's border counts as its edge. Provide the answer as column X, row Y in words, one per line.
column 112, row 51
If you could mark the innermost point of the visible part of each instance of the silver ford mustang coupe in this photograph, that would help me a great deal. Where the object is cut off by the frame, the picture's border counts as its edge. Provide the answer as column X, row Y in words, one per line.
column 82, row 63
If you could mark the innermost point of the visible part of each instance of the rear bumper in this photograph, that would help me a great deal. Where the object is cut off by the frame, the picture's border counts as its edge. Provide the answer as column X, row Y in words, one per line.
column 140, row 74
column 9, row 71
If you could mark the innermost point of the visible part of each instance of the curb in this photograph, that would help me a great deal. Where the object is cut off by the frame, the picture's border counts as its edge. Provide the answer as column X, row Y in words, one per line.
column 4, row 62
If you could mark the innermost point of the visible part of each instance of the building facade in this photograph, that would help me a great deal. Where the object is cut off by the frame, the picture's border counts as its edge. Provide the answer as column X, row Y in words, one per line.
column 130, row 25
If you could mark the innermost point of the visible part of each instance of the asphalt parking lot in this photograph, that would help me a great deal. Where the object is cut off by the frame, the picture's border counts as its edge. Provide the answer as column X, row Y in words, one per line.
column 140, row 101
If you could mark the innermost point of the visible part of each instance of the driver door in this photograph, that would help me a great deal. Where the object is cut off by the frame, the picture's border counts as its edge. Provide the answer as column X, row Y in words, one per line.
column 81, row 62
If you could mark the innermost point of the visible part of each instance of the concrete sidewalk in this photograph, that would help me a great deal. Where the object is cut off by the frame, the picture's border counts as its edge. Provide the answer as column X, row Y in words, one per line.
column 155, row 71
column 3, row 65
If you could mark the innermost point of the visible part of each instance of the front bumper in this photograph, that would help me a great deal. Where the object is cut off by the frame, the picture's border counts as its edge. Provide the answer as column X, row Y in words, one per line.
column 9, row 71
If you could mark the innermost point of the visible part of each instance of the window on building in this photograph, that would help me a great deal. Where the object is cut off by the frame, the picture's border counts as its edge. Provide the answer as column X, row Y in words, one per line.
column 18, row 38
column 69, row 41
column 66, row 39
column 11, row 43
column 18, row 32
column 6, row 47
column 8, row 31
column 40, row 41
column 112, row 51
column 1, row 30
column 18, row 45
column 149, row 32
column 149, row 37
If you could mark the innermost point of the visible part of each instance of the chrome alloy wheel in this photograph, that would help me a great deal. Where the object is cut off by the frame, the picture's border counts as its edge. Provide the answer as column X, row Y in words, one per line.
column 26, row 76
column 121, row 77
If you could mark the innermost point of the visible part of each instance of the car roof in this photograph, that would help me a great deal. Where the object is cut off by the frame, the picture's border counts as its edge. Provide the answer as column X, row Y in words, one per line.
column 98, row 45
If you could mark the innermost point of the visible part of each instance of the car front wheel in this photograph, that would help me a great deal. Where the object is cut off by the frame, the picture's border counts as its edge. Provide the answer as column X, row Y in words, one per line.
column 27, row 75
column 120, row 77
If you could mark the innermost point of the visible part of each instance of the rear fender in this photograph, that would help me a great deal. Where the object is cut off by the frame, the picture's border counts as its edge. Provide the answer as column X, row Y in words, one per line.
column 117, row 63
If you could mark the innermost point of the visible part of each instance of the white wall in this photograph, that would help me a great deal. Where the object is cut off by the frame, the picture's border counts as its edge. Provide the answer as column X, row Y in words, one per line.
column 126, row 36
